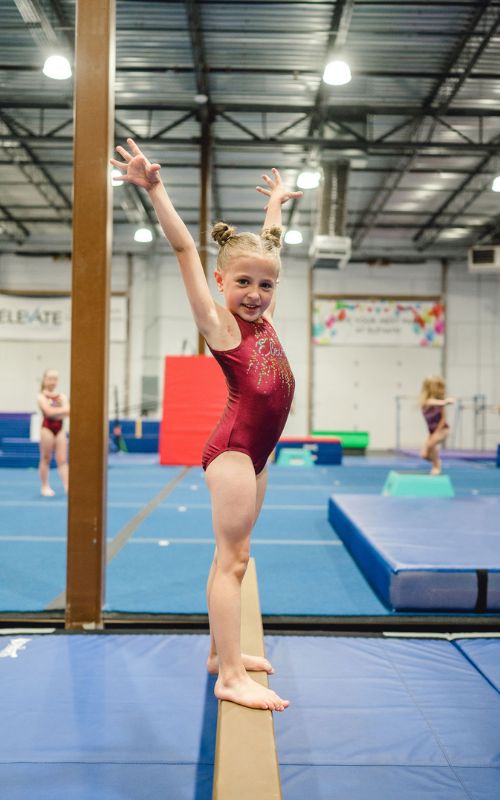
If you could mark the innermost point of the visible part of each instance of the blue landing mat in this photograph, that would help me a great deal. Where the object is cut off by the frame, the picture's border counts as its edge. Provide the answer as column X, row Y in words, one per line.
column 440, row 554
column 107, row 718
column 376, row 719
column 120, row 717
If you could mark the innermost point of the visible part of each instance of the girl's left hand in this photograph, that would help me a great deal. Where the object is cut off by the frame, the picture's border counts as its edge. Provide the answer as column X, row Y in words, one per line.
column 276, row 189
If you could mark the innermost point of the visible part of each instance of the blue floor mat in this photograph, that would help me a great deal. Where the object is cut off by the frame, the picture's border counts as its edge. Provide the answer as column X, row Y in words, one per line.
column 292, row 531
column 485, row 655
column 384, row 720
column 31, row 574
column 120, row 717
column 294, row 579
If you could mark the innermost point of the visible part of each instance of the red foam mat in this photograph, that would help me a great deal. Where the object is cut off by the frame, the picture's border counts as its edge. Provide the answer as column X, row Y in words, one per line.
column 194, row 396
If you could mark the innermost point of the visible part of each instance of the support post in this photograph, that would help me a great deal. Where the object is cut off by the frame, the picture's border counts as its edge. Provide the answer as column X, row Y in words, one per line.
column 205, row 179
column 92, row 217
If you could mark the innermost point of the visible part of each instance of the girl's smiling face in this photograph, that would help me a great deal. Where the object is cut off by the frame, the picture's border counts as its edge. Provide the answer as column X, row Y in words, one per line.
column 248, row 284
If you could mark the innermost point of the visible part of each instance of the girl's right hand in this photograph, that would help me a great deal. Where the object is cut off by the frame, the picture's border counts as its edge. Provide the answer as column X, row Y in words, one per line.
column 138, row 169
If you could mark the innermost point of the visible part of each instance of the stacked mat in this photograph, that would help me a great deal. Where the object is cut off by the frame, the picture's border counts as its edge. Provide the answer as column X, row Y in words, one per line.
column 432, row 554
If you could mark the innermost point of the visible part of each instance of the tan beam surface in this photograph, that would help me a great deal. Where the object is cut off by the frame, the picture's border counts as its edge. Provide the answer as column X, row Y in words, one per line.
column 92, row 228
column 246, row 762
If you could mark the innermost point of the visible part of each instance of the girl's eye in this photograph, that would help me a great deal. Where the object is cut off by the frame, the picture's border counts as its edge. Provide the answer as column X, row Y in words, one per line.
column 242, row 281
column 267, row 285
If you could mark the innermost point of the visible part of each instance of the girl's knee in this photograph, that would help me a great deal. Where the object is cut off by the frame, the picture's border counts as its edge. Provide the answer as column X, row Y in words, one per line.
column 235, row 563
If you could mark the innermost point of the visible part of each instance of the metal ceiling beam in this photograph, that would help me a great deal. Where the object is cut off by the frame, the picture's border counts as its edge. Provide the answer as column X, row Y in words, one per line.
column 319, row 115
column 9, row 224
column 491, row 232
column 33, row 170
column 454, row 206
column 257, row 166
column 339, row 145
column 254, row 214
column 34, row 16
column 202, row 70
column 353, row 112
column 36, row 20
column 442, row 95
column 205, row 110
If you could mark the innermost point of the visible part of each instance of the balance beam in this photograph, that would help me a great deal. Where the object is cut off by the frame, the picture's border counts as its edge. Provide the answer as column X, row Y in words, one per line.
column 246, row 762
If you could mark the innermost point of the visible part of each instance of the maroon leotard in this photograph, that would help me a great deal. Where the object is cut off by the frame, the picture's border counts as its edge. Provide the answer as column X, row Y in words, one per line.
column 433, row 416
column 54, row 425
column 260, row 385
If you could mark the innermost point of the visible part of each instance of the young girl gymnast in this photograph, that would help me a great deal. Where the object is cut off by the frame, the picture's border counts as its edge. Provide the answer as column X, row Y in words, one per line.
column 242, row 338
column 432, row 403
column 54, row 407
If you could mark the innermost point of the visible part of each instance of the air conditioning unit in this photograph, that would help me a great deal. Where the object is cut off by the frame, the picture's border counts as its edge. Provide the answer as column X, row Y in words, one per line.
column 330, row 252
column 484, row 258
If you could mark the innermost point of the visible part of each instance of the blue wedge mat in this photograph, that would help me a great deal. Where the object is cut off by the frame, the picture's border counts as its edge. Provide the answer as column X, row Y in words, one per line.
column 437, row 554
column 120, row 717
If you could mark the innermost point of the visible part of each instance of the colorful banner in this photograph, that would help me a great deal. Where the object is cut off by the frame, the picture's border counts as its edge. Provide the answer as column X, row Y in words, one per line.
column 399, row 323
column 49, row 318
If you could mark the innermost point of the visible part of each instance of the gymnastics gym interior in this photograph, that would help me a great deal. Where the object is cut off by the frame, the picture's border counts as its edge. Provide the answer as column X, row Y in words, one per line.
column 373, row 586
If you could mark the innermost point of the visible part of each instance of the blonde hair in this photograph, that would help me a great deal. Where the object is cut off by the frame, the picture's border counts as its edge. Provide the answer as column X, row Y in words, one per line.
column 433, row 386
column 44, row 376
column 232, row 244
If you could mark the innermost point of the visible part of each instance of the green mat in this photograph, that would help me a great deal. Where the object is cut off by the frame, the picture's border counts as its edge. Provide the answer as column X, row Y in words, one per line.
column 351, row 440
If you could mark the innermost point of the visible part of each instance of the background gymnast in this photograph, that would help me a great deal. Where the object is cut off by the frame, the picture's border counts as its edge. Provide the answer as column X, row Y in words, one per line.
column 261, row 385
column 433, row 403
column 54, row 407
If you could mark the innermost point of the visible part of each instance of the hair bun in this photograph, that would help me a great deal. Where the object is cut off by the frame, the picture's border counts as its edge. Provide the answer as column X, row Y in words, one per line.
column 273, row 235
column 221, row 233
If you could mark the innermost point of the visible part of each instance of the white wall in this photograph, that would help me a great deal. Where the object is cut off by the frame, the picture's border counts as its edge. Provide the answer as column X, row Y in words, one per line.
column 161, row 324
column 22, row 363
column 473, row 350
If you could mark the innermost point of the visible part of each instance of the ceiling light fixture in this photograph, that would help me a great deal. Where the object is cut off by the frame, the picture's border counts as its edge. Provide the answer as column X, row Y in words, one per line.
column 293, row 237
column 143, row 235
column 337, row 73
column 57, row 67
column 116, row 173
column 309, row 179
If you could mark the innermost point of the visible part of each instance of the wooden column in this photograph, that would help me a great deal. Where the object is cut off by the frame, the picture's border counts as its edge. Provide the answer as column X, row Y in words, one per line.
column 92, row 228
column 205, row 174
column 310, row 354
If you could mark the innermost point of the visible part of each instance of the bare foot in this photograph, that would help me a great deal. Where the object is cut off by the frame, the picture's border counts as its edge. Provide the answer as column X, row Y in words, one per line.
column 251, row 664
column 47, row 491
column 436, row 471
column 246, row 692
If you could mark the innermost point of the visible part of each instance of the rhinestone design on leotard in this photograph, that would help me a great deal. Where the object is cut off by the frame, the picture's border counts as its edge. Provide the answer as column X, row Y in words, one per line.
column 269, row 360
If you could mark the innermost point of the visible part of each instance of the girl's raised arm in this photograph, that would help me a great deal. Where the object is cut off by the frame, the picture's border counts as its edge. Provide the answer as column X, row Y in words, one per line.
column 278, row 195
column 140, row 171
